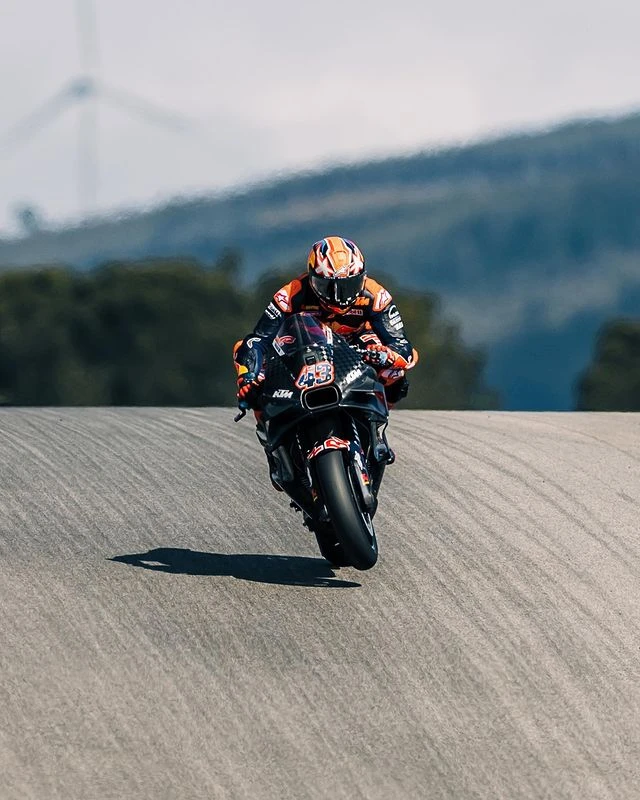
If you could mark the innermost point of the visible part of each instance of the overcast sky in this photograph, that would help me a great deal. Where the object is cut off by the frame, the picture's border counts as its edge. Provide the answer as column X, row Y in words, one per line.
column 281, row 85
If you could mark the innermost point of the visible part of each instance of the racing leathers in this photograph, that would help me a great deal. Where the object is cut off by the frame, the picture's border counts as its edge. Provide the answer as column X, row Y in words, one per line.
column 373, row 322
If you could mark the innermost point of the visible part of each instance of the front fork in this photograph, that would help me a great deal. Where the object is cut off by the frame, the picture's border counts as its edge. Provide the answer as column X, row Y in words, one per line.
column 361, row 479
column 365, row 479
column 363, row 486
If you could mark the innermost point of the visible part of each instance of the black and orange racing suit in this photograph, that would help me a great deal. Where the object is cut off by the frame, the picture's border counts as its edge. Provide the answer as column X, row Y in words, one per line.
column 372, row 320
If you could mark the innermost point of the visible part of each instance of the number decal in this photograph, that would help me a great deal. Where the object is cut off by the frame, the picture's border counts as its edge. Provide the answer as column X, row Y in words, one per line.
column 324, row 372
column 315, row 375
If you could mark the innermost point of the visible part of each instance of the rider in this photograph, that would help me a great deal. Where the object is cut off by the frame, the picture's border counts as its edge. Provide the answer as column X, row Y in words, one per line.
column 337, row 291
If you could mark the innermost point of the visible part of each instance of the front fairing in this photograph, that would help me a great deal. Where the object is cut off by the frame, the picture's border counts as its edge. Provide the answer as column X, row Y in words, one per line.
column 301, row 358
column 306, row 356
column 364, row 392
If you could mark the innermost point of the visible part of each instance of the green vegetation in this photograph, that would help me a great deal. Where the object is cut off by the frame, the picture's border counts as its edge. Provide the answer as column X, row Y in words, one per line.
column 612, row 381
column 532, row 241
column 162, row 332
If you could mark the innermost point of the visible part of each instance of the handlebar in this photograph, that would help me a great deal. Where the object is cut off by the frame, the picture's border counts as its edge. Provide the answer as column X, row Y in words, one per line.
column 243, row 406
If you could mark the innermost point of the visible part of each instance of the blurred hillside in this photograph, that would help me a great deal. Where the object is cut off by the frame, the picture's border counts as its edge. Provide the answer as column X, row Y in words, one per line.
column 532, row 241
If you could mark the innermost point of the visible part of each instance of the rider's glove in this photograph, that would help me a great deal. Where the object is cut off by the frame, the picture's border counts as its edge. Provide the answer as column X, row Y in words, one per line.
column 249, row 386
column 381, row 356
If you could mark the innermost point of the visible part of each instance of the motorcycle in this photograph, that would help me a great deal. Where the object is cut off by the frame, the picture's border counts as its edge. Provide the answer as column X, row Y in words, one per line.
column 322, row 418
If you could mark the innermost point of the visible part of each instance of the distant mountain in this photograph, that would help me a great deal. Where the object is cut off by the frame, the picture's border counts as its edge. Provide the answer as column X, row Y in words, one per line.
column 531, row 240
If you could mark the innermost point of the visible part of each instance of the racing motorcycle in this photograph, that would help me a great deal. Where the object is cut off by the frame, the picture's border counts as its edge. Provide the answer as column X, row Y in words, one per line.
column 322, row 421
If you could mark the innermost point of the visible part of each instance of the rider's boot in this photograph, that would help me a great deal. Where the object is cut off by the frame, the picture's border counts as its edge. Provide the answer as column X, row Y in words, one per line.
column 384, row 456
column 382, row 451
column 261, row 433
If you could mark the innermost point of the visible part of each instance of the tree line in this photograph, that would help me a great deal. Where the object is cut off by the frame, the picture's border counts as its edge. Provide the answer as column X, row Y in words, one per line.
column 161, row 332
column 612, row 381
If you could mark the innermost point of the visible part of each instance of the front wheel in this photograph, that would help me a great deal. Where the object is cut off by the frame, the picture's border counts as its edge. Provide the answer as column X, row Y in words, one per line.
column 329, row 546
column 352, row 526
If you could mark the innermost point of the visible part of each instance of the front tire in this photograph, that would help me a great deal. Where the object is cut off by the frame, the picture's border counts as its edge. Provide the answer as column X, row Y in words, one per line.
column 329, row 546
column 352, row 526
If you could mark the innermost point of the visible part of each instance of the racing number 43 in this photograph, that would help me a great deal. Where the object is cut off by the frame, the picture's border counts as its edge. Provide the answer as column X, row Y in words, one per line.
column 315, row 375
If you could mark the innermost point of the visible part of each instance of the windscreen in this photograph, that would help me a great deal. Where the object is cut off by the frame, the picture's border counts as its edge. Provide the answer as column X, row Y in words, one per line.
column 299, row 332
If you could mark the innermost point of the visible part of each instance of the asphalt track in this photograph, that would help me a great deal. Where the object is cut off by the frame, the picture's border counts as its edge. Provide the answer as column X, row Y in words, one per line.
column 168, row 630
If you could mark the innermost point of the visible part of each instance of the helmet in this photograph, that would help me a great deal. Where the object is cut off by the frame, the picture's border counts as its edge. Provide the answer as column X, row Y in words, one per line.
column 336, row 272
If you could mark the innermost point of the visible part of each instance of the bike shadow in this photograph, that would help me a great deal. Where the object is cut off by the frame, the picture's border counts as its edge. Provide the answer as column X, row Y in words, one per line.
column 282, row 570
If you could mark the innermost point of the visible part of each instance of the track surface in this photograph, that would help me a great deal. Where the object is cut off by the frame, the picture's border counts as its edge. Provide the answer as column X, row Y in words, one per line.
column 168, row 630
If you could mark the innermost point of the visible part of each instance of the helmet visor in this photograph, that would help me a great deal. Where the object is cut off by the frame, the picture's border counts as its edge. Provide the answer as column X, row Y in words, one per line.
column 338, row 291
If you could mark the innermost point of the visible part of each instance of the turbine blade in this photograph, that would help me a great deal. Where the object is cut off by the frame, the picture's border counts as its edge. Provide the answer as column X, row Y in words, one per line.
column 146, row 110
column 27, row 127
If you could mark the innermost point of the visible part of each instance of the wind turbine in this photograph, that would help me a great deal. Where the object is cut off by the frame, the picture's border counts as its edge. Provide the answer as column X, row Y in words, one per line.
column 85, row 91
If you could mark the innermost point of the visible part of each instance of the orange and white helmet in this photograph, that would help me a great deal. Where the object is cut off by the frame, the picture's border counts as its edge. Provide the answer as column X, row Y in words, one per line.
column 336, row 271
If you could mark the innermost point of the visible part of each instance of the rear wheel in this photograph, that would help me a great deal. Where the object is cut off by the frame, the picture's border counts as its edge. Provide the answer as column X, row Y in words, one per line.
column 352, row 526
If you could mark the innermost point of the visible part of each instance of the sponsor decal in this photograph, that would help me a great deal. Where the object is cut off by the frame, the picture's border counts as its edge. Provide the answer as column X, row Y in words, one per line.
column 286, row 394
column 281, row 340
column 357, row 458
column 252, row 341
column 328, row 333
column 332, row 443
column 351, row 375
column 286, row 339
column 395, row 320
column 390, row 375
column 272, row 311
column 356, row 312
column 281, row 299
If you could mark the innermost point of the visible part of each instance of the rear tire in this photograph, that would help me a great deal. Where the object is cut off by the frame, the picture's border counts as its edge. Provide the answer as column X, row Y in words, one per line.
column 352, row 526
